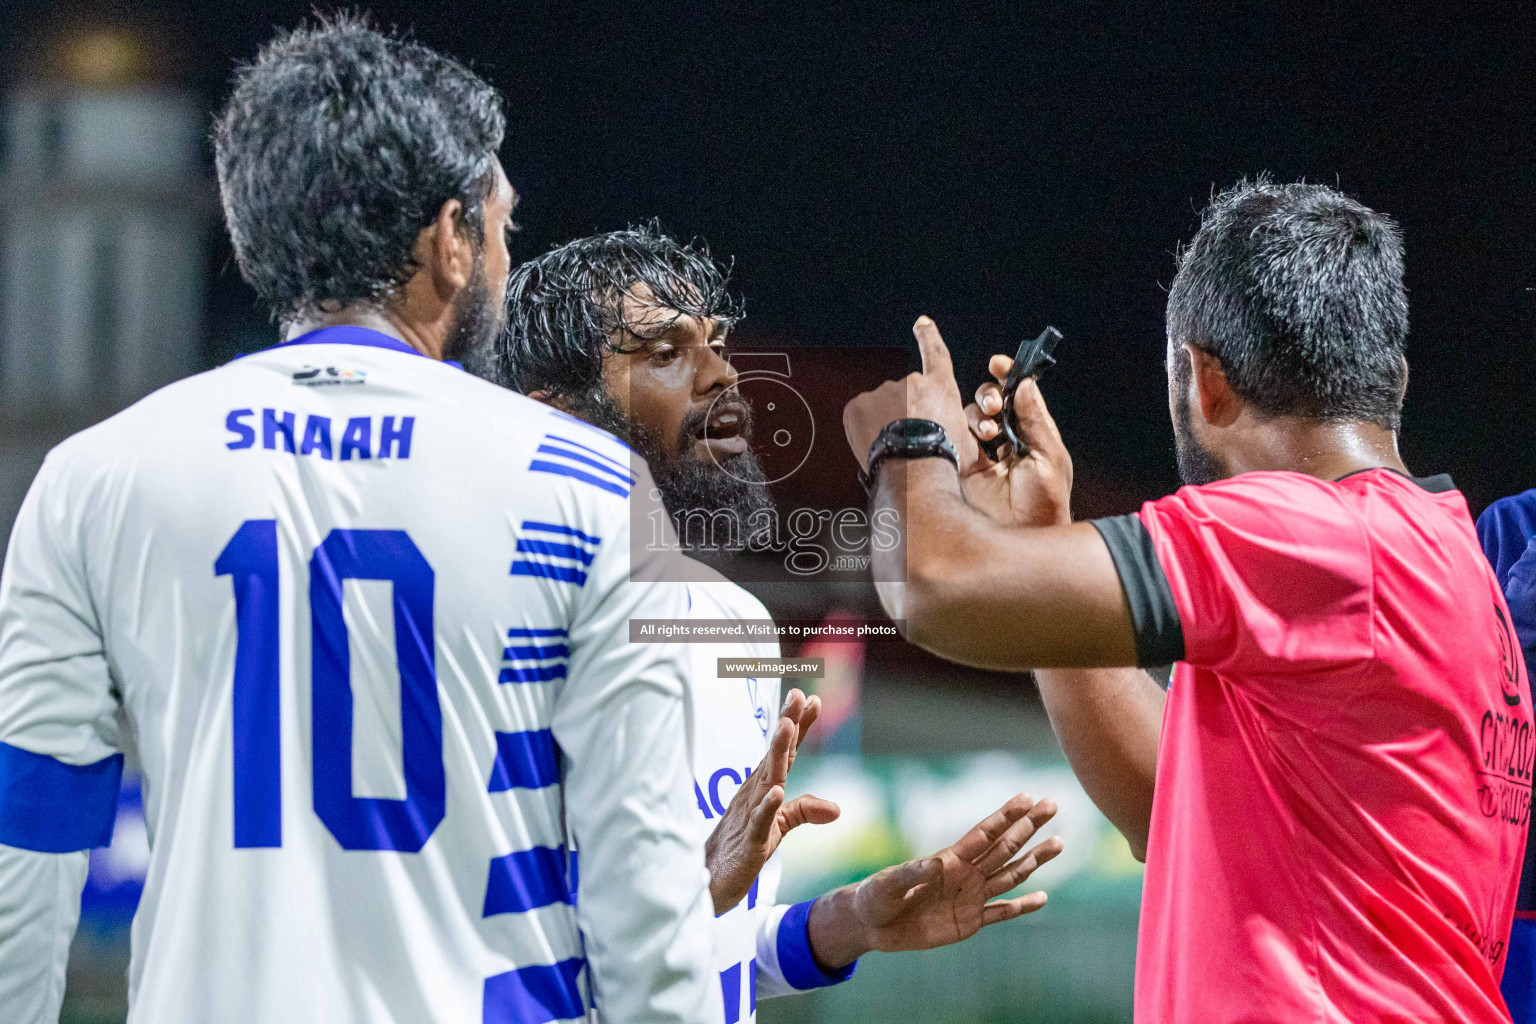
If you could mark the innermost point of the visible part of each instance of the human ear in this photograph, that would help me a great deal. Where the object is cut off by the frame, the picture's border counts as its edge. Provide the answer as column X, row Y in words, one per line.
column 1218, row 403
column 553, row 400
column 444, row 250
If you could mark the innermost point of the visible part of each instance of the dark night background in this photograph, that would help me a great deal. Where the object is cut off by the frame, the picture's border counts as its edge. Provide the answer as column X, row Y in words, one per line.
column 1000, row 170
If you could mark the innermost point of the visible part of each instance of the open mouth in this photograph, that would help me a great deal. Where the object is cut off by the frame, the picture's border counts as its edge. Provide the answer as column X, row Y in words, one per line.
column 726, row 431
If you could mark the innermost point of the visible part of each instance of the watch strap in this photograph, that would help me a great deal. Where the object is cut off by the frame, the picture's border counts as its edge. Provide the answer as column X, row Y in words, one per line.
column 896, row 442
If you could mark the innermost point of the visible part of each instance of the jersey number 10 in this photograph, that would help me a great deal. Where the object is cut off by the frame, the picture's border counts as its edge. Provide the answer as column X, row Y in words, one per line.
column 358, row 823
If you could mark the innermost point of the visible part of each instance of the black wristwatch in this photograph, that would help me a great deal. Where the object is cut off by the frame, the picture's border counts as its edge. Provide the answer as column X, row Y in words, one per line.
column 907, row 439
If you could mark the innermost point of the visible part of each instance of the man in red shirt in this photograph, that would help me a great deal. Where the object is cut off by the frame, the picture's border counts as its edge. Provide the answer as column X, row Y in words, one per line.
column 1332, row 797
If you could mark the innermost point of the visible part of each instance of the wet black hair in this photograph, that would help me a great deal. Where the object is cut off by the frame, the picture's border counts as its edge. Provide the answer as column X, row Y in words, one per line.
column 338, row 145
column 565, row 309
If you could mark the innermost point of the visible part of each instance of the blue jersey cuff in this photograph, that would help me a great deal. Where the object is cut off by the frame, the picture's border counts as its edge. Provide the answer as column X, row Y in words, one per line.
column 48, row 806
column 795, row 959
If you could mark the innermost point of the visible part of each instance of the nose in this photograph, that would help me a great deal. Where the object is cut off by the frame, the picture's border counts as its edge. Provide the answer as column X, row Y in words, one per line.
column 716, row 375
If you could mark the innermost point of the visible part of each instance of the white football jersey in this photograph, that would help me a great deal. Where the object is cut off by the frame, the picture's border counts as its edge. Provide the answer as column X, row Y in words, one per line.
column 761, row 947
column 365, row 619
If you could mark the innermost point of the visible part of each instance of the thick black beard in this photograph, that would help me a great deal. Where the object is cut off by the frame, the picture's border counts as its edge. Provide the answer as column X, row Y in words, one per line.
column 477, row 321
column 687, row 482
column 1197, row 464
column 603, row 412
column 692, row 484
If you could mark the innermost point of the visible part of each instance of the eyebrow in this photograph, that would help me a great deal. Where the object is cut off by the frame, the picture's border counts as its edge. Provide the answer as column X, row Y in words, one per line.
column 666, row 336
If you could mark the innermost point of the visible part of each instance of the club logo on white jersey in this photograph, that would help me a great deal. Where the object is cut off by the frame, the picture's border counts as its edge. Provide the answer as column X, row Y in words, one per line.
column 330, row 376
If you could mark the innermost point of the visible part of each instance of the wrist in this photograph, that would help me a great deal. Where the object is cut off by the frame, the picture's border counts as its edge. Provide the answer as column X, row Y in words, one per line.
column 834, row 930
column 719, row 896
column 717, row 887
column 898, row 474
column 725, row 889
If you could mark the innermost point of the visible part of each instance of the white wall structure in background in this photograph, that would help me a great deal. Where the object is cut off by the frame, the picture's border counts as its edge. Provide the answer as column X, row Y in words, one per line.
column 103, row 222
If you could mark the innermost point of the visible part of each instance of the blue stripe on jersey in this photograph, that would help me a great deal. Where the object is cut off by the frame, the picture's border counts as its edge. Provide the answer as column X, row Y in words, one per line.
column 526, row 880
column 562, row 573
column 564, row 457
column 622, row 467
column 560, row 469
column 518, row 634
column 560, row 452
column 563, row 559
column 752, row 974
column 51, row 807
column 525, row 760
column 531, row 674
column 545, row 547
column 534, row 995
column 535, row 653
column 566, row 531
column 730, row 992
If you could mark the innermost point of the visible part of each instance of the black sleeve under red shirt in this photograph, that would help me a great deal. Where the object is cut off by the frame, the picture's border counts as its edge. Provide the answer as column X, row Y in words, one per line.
column 1247, row 573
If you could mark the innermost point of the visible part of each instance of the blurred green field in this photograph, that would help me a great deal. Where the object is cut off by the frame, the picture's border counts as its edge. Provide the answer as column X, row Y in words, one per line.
column 1070, row 963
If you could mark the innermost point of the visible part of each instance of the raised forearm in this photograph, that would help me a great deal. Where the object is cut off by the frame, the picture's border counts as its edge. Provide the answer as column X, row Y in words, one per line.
column 902, row 571
column 1108, row 722
column 993, row 596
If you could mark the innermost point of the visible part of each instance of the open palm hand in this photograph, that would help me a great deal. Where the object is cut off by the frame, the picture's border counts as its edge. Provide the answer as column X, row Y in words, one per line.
column 950, row 896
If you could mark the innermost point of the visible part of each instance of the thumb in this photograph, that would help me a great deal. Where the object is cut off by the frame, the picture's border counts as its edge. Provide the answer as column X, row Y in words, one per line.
column 1034, row 420
column 807, row 810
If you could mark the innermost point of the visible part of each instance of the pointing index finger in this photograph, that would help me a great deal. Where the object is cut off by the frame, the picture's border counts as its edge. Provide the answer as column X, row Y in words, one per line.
column 935, row 353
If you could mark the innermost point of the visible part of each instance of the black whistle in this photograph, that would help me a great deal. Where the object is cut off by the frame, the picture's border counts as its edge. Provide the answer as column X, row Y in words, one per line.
column 1033, row 359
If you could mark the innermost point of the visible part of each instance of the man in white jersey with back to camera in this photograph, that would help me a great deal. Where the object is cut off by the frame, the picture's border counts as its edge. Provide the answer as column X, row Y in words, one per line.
column 371, row 649
column 627, row 330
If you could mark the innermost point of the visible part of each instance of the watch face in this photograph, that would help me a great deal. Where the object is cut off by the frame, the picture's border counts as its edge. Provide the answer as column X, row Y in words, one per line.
column 920, row 431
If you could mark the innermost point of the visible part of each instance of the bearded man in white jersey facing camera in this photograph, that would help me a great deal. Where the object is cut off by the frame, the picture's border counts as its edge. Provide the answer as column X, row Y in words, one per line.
column 627, row 330
column 371, row 649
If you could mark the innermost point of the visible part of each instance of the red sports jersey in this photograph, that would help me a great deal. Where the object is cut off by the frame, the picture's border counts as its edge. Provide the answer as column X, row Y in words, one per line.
column 1344, row 775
